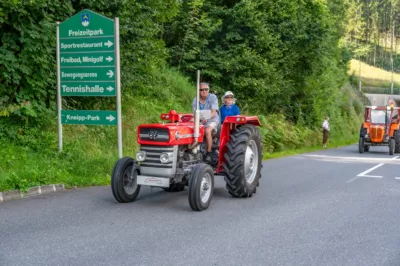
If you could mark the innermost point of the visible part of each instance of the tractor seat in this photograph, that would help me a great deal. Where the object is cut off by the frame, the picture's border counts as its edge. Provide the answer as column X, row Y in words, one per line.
column 215, row 136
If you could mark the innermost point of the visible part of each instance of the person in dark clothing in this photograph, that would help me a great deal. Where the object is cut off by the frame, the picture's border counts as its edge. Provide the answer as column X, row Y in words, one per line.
column 229, row 107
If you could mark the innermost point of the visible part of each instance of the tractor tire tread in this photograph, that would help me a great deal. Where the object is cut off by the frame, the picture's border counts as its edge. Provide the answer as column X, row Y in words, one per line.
column 397, row 140
column 116, row 185
column 233, row 166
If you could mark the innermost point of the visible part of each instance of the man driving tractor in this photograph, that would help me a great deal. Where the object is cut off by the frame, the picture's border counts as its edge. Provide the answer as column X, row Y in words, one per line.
column 208, row 101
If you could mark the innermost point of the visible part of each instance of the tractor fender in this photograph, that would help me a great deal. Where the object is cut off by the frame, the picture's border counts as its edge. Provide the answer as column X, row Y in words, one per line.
column 229, row 125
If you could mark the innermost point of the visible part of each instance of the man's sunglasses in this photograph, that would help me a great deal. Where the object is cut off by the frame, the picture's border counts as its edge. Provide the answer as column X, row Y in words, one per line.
column 203, row 89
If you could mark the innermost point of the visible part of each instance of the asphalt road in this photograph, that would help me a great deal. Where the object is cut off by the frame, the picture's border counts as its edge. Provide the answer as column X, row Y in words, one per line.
column 322, row 208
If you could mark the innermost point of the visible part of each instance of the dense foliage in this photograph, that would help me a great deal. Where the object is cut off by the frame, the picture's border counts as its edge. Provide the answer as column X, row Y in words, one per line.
column 277, row 56
column 28, row 52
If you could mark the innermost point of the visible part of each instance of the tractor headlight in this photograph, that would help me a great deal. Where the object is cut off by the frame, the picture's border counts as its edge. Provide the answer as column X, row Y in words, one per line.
column 166, row 157
column 366, row 136
column 140, row 156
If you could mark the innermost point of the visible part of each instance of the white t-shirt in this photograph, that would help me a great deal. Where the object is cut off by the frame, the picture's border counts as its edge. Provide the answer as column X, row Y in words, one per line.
column 325, row 125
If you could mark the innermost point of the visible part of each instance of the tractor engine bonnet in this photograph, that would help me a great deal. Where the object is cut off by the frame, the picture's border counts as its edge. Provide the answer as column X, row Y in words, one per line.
column 376, row 133
column 169, row 134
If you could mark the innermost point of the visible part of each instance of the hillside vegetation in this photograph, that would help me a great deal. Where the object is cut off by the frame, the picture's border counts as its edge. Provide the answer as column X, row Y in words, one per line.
column 282, row 59
column 372, row 31
column 372, row 76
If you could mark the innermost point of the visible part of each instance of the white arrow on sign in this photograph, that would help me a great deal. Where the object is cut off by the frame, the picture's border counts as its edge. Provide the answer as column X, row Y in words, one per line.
column 108, row 44
column 110, row 74
column 109, row 59
column 110, row 88
column 110, row 118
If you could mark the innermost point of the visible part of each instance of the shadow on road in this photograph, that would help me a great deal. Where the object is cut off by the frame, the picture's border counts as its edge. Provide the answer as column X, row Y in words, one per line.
column 158, row 198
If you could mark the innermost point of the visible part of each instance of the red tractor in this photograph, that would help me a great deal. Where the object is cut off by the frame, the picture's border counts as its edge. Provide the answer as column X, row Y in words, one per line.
column 172, row 156
column 380, row 128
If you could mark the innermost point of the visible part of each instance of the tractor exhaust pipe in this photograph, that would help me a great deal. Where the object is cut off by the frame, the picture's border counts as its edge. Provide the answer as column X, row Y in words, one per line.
column 196, row 114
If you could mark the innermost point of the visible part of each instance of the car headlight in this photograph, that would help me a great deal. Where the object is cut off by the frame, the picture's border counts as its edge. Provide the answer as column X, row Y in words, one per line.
column 140, row 156
column 166, row 157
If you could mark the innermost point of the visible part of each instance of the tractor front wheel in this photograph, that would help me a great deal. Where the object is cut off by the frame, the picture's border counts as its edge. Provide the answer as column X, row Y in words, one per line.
column 361, row 145
column 124, row 180
column 243, row 161
column 392, row 145
column 201, row 187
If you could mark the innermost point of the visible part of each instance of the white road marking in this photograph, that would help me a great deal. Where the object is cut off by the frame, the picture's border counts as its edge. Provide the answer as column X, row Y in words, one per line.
column 353, row 159
column 337, row 161
column 370, row 170
column 364, row 174
column 344, row 157
column 301, row 158
column 348, row 159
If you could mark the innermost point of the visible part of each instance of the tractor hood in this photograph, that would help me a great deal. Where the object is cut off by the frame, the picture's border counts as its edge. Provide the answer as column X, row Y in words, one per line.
column 376, row 133
column 168, row 134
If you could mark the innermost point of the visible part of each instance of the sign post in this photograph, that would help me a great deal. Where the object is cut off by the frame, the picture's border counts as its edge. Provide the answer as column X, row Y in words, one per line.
column 88, row 64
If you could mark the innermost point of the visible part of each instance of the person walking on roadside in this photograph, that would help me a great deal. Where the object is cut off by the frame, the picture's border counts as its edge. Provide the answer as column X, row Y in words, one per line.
column 325, row 132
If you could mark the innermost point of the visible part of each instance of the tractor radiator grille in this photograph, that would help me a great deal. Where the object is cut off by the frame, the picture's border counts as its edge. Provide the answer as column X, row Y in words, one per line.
column 153, row 156
column 152, row 165
column 154, row 134
column 376, row 134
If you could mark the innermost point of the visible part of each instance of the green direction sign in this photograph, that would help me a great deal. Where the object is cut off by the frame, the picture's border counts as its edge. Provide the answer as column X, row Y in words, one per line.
column 86, row 88
column 85, row 45
column 87, row 55
column 87, row 24
column 89, row 117
column 83, row 60
column 98, row 74
column 88, row 65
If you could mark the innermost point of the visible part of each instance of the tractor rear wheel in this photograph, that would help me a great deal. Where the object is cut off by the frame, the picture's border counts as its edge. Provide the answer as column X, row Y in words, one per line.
column 361, row 145
column 201, row 187
column 397, row 141
column 392, row 145
column 243, row 161
column 124, row 180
